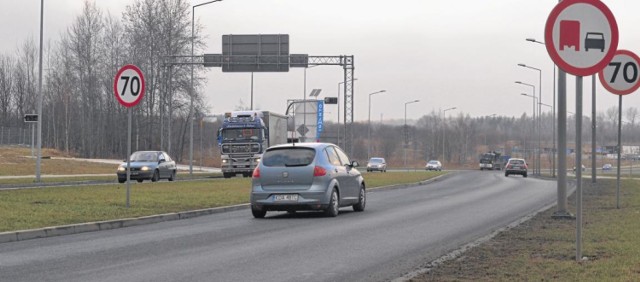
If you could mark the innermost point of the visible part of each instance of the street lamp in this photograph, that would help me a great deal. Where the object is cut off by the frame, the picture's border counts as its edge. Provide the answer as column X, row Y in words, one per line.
column 193, row 19
column 340, row 83
column 534, row 113
column 406, row 132
column 444, row 118
column 369, row 123
column 553, row 153
column 539, row 111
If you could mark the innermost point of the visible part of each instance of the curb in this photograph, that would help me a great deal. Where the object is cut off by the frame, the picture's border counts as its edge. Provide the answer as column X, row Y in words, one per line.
column 21, row 235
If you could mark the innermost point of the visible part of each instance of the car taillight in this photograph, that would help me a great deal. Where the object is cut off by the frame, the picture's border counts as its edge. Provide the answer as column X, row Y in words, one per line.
column 319, row 171
column 509, row 166
column 526, row 167
column 256, row 173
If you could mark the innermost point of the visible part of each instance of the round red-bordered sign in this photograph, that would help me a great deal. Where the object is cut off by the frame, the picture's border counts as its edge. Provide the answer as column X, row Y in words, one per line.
column 128, row 85
column 581, row 36
column 622, row 75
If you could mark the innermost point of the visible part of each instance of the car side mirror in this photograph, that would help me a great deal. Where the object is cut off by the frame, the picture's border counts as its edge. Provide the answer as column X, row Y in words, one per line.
column 161, row 161
column 354, row 164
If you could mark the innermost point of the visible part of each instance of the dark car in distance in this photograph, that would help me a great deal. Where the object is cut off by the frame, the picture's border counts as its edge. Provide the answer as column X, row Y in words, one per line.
column 148, row 165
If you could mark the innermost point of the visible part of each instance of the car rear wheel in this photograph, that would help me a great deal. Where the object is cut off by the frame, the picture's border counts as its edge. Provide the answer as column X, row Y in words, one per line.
column 334, row 205
column 140, row 180
column 506, row 175
column 121, row 180
column 155, row 176
column 362, row 200
column 258, row 213
column 525, row 175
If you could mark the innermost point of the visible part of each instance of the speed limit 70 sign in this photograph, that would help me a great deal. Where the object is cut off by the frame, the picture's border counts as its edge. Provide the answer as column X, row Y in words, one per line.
column 128, row 86
column 621, row 76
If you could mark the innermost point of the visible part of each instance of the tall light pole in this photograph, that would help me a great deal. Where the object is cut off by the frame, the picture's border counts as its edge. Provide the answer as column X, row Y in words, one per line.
column 444, row 131
column 369, row 123
column 553, row 153
column 340, row 83
column 39, row 105
column 406, row 131
column 534, row 113
column 534, row 116
column 193, row 26
column 539, row 112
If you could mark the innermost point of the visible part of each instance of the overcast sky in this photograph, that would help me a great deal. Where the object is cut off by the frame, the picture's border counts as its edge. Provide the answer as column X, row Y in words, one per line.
column 460, row 54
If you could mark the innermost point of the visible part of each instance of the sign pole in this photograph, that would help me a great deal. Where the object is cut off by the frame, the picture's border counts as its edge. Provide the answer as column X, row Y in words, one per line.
column 593, row 128
column 128, row 156
column 619, row 151
column 579, row 168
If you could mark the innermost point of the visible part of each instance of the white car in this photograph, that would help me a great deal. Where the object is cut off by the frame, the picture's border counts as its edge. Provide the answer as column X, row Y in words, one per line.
column 433, row 165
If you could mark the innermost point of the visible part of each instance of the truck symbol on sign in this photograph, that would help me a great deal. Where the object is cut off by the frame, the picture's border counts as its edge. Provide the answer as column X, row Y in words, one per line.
column 570, row 35
column 594, row 40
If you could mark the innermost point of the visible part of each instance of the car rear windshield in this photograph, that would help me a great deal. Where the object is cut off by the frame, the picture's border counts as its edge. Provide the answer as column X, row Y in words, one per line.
column 288, row 157
column 516, row 162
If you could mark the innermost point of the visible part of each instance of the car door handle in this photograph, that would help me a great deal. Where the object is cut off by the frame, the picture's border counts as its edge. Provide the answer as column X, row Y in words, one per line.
column 336, row 170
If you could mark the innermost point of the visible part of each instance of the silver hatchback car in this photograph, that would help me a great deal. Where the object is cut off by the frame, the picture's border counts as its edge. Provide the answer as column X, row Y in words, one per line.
column 306, row 176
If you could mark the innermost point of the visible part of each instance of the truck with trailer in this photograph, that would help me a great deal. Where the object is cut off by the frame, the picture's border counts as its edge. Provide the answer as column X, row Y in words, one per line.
column 245, row 135
column 493, row 161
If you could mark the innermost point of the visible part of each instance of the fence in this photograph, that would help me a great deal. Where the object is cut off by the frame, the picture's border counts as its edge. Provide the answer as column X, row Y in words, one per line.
column 17, row 135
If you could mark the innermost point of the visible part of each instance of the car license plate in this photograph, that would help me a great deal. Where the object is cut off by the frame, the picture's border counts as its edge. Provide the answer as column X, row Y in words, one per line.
column 286, row 197
column 134, row 173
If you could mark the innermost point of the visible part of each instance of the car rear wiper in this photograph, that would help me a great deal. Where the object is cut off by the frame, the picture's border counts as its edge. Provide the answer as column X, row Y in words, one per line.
column 292, row 165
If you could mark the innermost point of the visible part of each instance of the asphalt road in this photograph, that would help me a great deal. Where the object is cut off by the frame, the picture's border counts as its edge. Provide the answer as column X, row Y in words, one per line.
column 400, row 230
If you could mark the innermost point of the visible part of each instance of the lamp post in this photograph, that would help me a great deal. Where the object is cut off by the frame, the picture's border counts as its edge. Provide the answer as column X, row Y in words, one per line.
column 534, row 111
column 406, row 133
column 39, row 104
column 553, row 153
column 534, row 115
column 193, row 25
column 369, row 123
column 444, row 131
column 539, row 112
column 340, row 83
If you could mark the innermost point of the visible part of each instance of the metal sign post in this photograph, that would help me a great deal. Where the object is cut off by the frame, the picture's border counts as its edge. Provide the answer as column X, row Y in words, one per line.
column 581, row 37
column 128, row 87
column 621, row 77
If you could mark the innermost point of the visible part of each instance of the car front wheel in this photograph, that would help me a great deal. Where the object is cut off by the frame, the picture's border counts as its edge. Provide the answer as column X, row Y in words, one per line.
column 334, row 205
column 173, row 176
column 362, row 200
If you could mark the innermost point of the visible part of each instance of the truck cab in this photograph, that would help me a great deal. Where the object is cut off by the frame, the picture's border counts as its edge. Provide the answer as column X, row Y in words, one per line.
column 242, row 140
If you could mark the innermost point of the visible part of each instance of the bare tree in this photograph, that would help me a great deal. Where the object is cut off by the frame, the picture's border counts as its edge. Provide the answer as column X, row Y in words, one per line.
column 6, row 88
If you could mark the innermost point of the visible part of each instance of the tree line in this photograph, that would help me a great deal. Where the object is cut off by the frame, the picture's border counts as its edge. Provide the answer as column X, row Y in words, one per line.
column 81, row 116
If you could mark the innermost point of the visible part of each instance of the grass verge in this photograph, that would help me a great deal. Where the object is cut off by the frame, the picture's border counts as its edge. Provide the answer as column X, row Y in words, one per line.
column 36, row 208
column 544, row 249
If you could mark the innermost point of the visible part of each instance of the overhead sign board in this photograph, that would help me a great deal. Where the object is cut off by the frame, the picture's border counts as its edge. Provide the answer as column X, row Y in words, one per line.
column 128, row 86
column 255, row 53
column 621, row 76
column 581, row 36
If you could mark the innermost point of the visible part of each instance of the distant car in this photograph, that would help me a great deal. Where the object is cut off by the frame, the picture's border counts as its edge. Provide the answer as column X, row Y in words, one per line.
column 148, row 165
column 306, row 176
column 516, row 166
column 433, row 165
column 377, row 164
column 607, row 167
